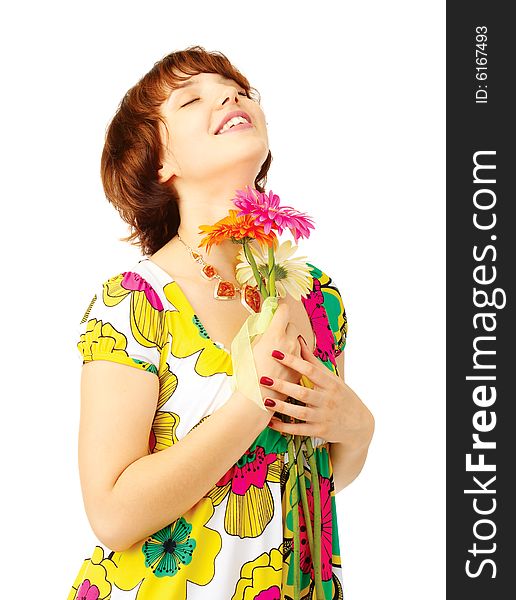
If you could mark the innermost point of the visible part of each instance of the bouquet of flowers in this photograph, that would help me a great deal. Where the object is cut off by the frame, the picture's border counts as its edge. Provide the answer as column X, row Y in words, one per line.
column 270, row 266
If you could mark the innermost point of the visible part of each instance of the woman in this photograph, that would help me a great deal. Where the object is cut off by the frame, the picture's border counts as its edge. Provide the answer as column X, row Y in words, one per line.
column 185, row 480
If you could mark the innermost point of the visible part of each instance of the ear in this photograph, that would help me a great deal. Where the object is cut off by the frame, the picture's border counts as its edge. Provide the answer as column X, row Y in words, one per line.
column 168, row 166
column 167, row 170
column 165, row 173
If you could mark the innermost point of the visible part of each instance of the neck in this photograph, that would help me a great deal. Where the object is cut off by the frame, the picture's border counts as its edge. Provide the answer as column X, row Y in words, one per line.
column 224, row 256
column 198, row 208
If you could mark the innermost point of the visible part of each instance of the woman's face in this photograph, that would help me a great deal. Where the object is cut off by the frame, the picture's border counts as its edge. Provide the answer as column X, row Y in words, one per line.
column 193, row 114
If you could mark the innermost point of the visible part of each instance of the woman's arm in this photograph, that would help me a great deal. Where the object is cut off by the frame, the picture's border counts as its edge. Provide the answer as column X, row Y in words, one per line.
column 128, row 493
column 348, row 459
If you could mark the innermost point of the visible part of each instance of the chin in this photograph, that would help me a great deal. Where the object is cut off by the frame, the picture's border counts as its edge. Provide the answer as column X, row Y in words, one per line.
column 255, row 150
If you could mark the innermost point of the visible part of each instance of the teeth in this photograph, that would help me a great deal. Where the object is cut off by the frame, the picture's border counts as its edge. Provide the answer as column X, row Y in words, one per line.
column 233, row 121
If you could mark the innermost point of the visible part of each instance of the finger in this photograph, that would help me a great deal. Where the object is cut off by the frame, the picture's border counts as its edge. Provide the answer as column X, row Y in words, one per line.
column 305, row 429
column 310, row 366
column 300, row 412
column 308, row 354
column 299, row 392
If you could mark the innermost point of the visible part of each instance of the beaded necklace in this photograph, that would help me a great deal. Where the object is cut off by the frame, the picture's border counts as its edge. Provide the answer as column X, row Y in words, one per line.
column 224, row 289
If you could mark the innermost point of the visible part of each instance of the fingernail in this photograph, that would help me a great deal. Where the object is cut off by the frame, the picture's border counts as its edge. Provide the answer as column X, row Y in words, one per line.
column 266, row 380
column 269, row 402
column 278, row 354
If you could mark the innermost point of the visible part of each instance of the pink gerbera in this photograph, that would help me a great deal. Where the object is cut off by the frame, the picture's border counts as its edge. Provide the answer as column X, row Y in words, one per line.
column 267, row 211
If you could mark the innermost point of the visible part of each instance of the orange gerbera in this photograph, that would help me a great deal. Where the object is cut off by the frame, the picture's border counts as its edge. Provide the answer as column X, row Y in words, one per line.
column 237, row 229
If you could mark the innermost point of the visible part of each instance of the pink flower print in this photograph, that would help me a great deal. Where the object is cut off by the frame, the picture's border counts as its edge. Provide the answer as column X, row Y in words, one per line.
column 324, row 339
column 251, row 469
column 326, row 531
column 87, row 591
column 135, row 282
column 272, row 593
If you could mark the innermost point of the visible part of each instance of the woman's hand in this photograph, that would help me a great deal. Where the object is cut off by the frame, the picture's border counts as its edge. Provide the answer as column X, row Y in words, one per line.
column 280, row 328
column 280, row 331
column 331, row 411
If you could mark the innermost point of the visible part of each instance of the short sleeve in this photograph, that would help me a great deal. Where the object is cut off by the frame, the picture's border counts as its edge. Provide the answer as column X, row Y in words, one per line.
column 123, row 323
column 327, row 294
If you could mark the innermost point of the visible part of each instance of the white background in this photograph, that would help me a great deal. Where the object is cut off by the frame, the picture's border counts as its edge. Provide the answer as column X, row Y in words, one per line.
column 354, row 98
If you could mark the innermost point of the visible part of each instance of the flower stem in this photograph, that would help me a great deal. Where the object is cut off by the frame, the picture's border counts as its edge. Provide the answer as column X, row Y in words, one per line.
column 317, row 520
column 304, row 498
column 251, row 260
column 272, row 272
column 293, row 476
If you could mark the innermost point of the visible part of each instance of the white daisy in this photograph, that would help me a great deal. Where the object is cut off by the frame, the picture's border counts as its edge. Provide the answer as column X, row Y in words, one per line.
column 292, row 274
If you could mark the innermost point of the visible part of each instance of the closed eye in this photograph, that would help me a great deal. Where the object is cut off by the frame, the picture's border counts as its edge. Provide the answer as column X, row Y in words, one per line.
column 190, row 102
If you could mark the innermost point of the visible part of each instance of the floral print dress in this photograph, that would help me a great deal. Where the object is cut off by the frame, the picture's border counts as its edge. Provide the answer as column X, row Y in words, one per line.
column 235, row 543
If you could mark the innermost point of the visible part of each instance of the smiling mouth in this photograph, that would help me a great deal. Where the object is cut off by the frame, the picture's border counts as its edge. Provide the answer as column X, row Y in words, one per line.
column 237, row 127
column 232, row 119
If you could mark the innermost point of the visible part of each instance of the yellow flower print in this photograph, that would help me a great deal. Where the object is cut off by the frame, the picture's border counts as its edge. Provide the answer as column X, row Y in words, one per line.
column 250, row 506
column 95, row 575
column 167, row 379
column 183, row 551
column 163, row 430
column 165, row 423
column 102, row 339
column 260, row 579
column 189, row 337
column 146, row 309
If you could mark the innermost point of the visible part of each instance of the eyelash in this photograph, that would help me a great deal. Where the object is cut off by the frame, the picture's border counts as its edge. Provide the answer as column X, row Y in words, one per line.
column 240, row 93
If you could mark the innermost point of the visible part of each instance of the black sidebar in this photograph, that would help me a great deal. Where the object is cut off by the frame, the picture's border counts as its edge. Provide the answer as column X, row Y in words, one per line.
column 480, row 290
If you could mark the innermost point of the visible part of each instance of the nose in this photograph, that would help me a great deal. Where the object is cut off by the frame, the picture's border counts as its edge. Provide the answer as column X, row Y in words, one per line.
column 230, row 99
column 230, row 95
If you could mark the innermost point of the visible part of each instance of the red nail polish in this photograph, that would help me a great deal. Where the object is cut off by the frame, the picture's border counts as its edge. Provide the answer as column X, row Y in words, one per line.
column 278, row 354
column 266, row 380
column 269, row 402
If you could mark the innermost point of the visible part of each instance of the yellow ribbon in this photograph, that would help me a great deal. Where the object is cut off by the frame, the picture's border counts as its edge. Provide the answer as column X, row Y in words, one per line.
column 244, row 376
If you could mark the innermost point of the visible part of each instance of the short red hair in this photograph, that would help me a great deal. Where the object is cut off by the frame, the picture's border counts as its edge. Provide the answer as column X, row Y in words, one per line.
column 131, row 156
